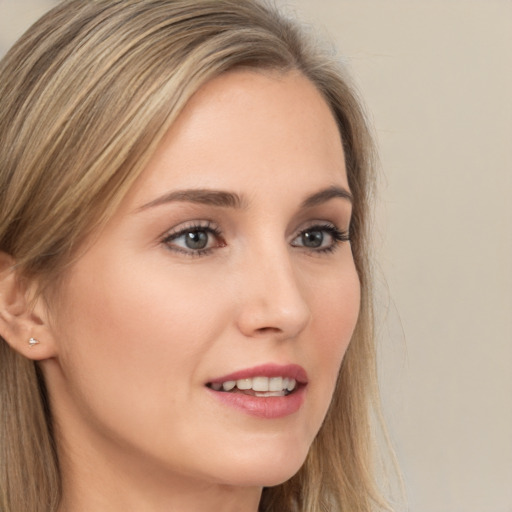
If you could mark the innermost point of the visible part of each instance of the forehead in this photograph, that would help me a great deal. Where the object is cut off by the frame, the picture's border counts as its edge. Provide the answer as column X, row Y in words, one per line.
column 249, row 129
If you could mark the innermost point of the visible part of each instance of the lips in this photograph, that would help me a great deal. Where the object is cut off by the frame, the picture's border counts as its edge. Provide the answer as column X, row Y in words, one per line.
column 267, row 391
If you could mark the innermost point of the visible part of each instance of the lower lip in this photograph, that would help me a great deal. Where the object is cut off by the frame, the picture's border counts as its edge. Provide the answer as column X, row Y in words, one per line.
column 270, row 407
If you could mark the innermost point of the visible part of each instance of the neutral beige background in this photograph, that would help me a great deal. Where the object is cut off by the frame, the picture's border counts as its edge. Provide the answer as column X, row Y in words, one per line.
column 437, row 77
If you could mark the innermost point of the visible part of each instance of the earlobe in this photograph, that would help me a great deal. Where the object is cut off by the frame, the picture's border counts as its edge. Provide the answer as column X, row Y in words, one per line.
column 23, row 323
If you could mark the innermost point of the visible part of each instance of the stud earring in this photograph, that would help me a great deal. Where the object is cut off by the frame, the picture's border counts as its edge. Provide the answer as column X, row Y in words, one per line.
column 33, row 341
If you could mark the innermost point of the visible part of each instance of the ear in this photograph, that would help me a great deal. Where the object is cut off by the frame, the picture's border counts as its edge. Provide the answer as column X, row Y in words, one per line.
column 20, row 318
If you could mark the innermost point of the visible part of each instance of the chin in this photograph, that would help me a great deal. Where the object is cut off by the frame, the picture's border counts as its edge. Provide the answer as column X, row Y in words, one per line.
column 270, row 476
column 280, row 475
column 267, row 468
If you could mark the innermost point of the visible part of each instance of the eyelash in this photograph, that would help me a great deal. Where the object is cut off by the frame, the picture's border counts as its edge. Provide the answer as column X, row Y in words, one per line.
column 207, row 227
column 338, row 236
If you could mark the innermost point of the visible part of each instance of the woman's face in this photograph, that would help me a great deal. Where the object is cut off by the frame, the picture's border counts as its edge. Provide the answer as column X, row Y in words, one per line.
column 227, row 262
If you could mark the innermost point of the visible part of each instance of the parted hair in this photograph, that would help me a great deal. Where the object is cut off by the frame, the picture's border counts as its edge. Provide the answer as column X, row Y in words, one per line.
column 86, row 95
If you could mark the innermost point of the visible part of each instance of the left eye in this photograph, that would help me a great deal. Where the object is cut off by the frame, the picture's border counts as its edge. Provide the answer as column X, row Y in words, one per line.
column 320, row 238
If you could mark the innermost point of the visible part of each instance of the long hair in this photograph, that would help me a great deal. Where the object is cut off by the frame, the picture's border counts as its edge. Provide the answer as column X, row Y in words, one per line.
column 86, row 95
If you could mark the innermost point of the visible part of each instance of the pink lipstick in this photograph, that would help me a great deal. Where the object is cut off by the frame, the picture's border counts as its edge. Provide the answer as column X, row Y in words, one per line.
column 267, row 391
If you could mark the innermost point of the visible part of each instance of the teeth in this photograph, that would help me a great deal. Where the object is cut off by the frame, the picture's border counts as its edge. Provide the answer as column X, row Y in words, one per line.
column 269, row 393
column 244, row 383
column 228, row 385
column 291, row 384
column 260, row 383
column 263, row 386
column 276, row 384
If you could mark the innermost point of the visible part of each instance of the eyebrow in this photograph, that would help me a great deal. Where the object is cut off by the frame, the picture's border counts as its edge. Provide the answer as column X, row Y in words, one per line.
column 223, row 199
column 208, row 197
column 327, row 194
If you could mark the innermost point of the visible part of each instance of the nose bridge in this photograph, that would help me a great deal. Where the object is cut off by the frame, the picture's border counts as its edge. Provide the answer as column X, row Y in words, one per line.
column 272, row 299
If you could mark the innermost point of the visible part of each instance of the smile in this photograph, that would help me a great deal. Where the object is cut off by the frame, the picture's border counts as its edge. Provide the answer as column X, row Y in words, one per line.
column 269, row 391
column 258, row 386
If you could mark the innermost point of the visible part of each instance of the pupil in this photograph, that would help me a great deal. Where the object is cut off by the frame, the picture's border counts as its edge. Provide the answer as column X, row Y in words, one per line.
column 196, row 240
column 312, row 238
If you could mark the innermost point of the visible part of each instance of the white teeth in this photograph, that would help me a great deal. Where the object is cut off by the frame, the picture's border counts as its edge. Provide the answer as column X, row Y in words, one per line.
column 263, row 386
column 260, row 383
column 244, row 383
column 276, row 384
column 269, row 393
column 228, row 385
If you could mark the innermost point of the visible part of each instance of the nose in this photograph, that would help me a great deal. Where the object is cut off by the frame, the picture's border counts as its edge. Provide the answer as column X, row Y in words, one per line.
column 272, row 303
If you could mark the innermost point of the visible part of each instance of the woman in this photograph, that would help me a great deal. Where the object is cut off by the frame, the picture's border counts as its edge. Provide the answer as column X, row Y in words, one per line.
column 185, row 292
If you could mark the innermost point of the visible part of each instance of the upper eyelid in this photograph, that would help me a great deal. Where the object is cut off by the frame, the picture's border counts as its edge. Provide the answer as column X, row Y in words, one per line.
column 190, row 226
column 319, row 224
column 328, row 226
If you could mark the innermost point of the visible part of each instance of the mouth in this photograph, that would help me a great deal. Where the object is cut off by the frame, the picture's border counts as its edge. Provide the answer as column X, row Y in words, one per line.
column 269, row 391
column 259, row 386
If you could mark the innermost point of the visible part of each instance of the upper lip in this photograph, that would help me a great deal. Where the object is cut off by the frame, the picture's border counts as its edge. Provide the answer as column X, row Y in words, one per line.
column 292, row 371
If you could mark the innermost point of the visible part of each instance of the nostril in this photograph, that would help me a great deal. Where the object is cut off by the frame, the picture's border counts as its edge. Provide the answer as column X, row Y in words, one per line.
column 268, row 330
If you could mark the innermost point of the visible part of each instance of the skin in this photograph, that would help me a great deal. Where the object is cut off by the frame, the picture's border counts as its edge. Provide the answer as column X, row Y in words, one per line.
column 142, row 324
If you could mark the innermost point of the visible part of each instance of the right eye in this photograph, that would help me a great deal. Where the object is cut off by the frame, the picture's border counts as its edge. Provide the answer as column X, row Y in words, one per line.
column 194, row 240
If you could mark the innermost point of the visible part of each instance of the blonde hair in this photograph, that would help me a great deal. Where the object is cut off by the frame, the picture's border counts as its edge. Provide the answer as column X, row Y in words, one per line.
column 85, row 97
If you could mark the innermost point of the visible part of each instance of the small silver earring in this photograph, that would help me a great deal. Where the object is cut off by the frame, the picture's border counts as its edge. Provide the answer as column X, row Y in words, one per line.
column 33, row 341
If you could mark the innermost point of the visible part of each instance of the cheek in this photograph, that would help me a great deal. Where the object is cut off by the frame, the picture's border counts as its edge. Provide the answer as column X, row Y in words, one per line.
column 341, row 310
column 335, row 309
column 136, row 329
column 335, row 315
column 130, row 352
